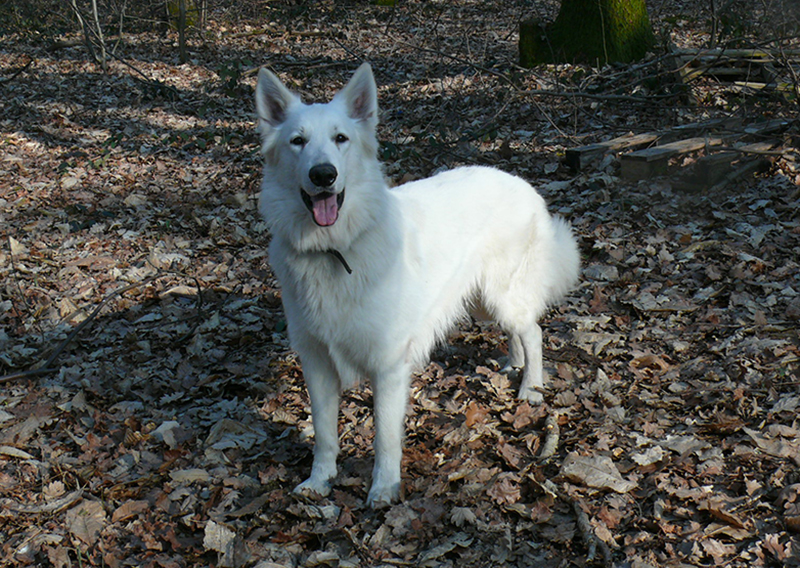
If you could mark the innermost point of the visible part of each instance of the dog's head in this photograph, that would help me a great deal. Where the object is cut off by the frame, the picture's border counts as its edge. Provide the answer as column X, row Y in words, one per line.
column 315, row 152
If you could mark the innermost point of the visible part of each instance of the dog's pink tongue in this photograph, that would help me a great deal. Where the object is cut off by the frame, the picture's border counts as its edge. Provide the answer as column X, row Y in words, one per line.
column 326, row 211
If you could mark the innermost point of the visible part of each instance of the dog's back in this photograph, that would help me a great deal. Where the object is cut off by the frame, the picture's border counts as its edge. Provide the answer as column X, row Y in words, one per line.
column 494, row 228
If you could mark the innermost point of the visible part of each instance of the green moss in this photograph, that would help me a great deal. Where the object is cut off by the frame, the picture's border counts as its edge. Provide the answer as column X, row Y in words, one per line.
column 589, row 31
column 174, row 10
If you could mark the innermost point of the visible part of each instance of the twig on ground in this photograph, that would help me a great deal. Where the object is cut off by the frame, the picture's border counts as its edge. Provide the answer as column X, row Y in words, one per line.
column 584, row 526
column 551, row 440
column 145, row 79
column 62, row 44
column 352, row 53
column 18, row 72
column 587, row 534
column 67, row 43
column 359, row 548
column 26, row 374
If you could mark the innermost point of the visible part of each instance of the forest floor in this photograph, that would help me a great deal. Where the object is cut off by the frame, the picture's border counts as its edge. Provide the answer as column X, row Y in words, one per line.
column 152, row 413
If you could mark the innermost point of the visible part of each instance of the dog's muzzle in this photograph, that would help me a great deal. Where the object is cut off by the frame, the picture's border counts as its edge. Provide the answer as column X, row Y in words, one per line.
column 324, row 206
column 323, row 175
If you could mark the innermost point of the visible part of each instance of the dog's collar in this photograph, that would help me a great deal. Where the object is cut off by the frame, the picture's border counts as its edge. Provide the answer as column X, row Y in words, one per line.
column 341, row 259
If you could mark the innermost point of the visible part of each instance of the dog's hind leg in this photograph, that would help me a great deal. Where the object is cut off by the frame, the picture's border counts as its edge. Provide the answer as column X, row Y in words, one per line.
column 533, row 374
column 323, row 389
column 390, row 392
column 516, row 353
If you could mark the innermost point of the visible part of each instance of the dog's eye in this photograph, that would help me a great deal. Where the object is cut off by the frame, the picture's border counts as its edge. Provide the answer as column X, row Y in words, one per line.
column 341, row 139
column 297, row 141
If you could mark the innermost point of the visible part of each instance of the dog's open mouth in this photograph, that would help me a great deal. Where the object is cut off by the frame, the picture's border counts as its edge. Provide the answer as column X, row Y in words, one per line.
column 324, row 206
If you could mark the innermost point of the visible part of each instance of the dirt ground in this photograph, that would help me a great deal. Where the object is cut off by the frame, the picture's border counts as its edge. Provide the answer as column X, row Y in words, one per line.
column 152, row 413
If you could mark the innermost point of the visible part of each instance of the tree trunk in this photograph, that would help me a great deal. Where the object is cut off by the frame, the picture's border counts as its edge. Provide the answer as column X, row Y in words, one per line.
column 588, row 31
column 101, row 42
column 183, row 54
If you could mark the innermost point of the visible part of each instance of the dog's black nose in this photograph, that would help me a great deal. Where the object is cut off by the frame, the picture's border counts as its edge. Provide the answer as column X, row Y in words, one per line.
column 323, row 175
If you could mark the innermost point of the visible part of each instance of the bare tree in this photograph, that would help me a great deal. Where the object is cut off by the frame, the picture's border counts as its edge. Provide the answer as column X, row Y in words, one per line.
column 92, row 32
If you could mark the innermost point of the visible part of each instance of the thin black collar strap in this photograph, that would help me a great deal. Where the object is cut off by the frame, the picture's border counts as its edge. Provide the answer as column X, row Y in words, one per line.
column 341, row 259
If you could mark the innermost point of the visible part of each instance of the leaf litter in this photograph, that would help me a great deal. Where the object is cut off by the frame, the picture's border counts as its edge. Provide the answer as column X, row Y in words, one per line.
column 171, row 429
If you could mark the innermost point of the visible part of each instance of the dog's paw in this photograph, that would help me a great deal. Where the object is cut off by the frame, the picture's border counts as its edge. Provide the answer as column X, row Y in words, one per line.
column 381, row 497
column 313, row 489
column 532, row 395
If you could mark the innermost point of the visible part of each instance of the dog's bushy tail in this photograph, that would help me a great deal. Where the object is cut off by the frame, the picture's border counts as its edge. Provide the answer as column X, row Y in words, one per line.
column 566, row 259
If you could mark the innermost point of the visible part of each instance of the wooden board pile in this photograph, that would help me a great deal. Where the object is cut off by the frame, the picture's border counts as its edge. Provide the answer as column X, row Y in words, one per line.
column 725, row 150
column 745, row 69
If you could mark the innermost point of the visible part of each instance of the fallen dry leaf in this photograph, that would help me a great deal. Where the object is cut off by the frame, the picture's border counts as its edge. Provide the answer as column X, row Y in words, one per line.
column 86, row 520
column 595, row 471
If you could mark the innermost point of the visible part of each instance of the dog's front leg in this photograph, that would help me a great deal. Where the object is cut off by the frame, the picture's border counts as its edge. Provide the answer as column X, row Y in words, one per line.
column 323, row 389
column 390, row 393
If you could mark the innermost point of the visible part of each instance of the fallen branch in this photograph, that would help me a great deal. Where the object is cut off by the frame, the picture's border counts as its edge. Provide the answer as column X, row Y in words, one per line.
column 142, row 77
column 27, row 374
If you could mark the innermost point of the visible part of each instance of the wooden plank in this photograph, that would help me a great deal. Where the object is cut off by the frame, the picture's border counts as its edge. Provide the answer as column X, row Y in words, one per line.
column 706, row 171
column 782, row 87
column 758, row 147
column 647, row 163
column 577, row 158
column 746, row 168
column 708, row 124
column 717, row 53
column 721, row 74
column 712, row 169
column 768, row 126
column 672, row 149
column 697, row 128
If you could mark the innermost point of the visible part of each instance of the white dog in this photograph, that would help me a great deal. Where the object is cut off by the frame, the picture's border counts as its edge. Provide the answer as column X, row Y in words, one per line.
column 373, row 277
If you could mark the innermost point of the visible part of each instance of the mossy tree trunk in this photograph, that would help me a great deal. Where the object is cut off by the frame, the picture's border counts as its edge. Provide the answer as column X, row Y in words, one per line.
column 588, row 31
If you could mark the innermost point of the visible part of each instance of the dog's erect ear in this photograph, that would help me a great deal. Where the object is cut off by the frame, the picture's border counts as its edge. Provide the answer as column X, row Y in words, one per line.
column 360, row 96
column 273, row 99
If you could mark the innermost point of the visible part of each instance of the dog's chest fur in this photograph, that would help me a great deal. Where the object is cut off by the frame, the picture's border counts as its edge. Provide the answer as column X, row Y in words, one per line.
column 347, row 313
